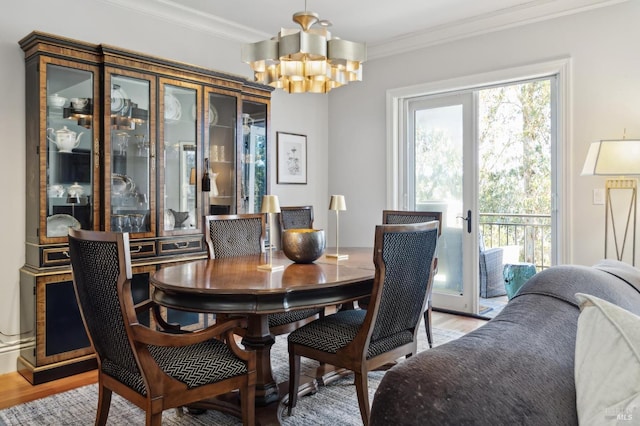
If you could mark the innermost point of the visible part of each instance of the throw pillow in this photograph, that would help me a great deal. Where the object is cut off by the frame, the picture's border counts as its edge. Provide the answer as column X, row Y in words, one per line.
column 607, row 363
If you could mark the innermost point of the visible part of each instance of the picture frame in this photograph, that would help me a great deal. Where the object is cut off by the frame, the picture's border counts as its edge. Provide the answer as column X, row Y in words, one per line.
column 291, row 154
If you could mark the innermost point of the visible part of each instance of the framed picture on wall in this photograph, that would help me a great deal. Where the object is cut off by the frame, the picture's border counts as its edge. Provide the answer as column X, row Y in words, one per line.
column 291, row 153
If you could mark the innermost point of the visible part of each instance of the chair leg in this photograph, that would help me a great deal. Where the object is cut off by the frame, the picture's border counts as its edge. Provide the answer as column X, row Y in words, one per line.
column 154, row 419
column 362, row 389
column 248, row 401
column 294, row 378
column 104, row 403
column 427, row 325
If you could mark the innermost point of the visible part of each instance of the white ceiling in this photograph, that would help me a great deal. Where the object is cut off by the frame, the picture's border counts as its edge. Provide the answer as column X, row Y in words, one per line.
column 387, row 27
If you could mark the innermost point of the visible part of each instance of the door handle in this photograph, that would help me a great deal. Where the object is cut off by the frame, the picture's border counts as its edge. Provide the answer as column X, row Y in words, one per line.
column 468, row 219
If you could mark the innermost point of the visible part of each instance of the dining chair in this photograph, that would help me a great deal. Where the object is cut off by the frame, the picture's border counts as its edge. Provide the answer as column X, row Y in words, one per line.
column 295, row 217
column 362, row 340
column 154, row 369
column 404, row 216
column 241, row 235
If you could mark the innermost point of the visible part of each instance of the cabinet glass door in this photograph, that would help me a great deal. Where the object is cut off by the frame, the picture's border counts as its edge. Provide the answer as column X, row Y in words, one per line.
column 71, row 193
column 178, row 207
column 221, row 136
column 129, row 142
column 253, row 157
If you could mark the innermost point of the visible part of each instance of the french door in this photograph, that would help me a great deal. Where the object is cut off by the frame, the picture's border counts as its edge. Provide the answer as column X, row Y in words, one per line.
column 441, row 163
column 483, row 152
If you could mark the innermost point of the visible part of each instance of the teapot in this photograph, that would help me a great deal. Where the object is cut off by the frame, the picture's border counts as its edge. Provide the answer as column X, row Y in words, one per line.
column 65, row 139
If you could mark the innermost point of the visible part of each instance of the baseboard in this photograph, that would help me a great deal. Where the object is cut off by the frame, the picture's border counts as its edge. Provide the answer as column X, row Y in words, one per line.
column 462, row 314
column 9, row 353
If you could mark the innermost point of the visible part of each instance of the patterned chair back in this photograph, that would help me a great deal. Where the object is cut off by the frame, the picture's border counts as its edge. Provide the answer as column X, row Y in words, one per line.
column 403, row 216
column 404, row 261
column 296, row 217
column 99, row 261
column 235, row 235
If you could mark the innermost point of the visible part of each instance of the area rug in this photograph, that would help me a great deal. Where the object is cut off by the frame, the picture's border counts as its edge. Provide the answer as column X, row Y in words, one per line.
column 334, row 404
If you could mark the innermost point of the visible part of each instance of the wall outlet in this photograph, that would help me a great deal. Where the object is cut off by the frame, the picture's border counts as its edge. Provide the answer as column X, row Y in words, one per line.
column 598, row 196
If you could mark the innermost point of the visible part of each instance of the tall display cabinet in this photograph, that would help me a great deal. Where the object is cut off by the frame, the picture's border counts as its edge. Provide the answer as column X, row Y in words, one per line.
column 120, row 141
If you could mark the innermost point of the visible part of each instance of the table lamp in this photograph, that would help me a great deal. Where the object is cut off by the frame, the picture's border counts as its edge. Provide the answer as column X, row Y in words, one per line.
column 337, row 204
column 620, row 158
column 270, row 205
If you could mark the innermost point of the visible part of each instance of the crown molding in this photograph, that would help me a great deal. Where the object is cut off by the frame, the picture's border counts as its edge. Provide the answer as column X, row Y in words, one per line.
column 169, row 11
column 523, row 14
column 528, row 13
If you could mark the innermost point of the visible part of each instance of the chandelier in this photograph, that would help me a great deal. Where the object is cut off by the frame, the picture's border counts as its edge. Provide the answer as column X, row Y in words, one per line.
column 305, row 59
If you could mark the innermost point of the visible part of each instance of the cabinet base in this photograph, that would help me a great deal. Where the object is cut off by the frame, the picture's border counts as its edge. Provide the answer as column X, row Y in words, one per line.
column 37, row 375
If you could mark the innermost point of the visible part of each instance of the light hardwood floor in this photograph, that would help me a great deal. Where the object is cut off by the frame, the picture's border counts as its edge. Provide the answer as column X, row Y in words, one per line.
column 15, row 389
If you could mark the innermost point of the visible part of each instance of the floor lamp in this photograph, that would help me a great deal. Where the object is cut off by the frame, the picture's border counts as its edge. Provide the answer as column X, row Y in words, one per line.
column 619, row 158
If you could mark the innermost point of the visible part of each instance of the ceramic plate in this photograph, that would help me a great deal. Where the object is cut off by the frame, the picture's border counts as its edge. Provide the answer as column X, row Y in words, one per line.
column 118, row 97
column 213, row 114
column 58, row 225
column 172, row 107
column 121, row 184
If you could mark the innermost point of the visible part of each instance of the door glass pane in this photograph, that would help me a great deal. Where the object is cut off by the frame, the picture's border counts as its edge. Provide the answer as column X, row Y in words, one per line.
column 254, row 156
column 514, row 158
column 222, row 144
column 130, row 174
column 438, row 152
column 70, row 133
column 180, row 156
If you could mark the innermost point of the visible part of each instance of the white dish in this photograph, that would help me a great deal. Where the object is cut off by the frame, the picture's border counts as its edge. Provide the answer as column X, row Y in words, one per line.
column 213, row 114
column 172, row 107
column 118, row 96
column 58, row 225
column 121, row 184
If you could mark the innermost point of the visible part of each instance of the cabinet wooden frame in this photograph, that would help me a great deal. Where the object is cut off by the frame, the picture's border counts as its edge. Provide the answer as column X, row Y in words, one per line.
column 47, row 266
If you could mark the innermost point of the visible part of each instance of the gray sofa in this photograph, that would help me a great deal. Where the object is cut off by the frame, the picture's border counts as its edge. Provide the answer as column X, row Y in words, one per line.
column 516, row 369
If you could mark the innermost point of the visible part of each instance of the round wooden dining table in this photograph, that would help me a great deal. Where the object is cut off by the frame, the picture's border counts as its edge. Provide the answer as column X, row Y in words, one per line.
column 236, row 285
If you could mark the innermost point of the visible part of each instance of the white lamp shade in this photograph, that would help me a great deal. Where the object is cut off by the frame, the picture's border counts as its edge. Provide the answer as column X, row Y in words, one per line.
column 337, row 203
column 270, row 204
column 613, row 157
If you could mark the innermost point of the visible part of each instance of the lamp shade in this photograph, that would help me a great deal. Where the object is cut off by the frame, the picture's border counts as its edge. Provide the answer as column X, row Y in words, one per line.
column 270, row 204
column 337, row 203
column 613, row 157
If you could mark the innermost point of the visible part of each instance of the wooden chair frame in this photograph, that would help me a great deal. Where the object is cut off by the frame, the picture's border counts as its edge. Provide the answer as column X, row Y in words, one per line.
column 162, row 391
column 353, row 356
column 428, row 216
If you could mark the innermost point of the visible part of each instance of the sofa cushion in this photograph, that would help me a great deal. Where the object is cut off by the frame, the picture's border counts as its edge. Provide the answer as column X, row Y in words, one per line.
column 607, row 364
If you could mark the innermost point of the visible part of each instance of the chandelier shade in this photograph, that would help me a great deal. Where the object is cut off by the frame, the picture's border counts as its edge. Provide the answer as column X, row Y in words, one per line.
column 306, row 59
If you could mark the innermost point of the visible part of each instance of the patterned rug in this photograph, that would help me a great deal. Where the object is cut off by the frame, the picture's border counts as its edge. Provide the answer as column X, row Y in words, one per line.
column 335, row 404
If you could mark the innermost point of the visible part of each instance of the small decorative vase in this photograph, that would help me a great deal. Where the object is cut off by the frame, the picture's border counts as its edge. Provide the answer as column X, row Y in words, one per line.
column 214, row 186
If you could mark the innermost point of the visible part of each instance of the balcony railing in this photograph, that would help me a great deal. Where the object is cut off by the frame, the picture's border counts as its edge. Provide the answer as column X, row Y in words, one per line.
column 530, row 232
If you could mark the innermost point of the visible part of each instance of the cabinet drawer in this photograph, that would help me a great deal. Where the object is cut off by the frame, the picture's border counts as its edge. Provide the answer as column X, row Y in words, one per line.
column 142, row 249
column 181, row 245
column 57, row 256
